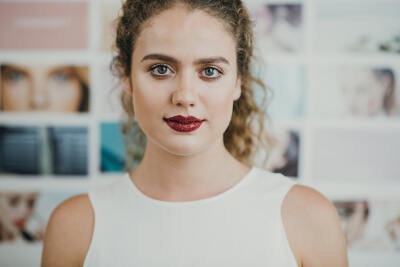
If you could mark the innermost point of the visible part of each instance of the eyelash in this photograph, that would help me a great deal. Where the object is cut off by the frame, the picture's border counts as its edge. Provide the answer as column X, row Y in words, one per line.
column 153, row 67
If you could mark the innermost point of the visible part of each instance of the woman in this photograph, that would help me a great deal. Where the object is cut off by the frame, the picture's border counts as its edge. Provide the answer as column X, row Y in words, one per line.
column 15, row 211
column 193, row 200
column 44, row 88
column 369, row 92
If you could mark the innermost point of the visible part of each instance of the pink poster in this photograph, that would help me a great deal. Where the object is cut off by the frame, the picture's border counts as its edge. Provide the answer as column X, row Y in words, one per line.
column 43, row 25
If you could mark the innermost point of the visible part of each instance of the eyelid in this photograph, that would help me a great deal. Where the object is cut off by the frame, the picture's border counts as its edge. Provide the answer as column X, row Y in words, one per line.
column 218, row 69
column 152, row 67
column 8, row 72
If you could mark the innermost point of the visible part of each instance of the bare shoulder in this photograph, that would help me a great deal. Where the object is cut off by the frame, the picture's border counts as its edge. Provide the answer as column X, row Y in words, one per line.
column 313, row 228
column 68, row 233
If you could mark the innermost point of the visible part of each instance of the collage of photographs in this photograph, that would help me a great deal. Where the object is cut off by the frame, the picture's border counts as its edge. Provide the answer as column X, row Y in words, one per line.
column 332, row 70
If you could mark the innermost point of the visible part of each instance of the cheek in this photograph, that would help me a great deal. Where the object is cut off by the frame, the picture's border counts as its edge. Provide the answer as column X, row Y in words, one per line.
column 28, row 212
column 15, row 95
column 150, row 100
column 378, row 93
column 12, row 213
column 218, row 106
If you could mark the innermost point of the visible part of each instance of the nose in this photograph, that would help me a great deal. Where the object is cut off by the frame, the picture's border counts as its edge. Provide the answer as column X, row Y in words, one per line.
column 185, row 94
column 39, row 95
column 21, row 209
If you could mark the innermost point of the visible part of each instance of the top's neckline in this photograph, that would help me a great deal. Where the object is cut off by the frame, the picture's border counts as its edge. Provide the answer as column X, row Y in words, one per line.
column 221, row 195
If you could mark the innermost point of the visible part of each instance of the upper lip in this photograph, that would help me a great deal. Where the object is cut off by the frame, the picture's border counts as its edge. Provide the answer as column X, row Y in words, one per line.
column 183, row 119
column 20, row 223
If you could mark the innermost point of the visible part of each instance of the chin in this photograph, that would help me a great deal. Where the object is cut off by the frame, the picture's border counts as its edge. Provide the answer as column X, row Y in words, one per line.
column 183, row 150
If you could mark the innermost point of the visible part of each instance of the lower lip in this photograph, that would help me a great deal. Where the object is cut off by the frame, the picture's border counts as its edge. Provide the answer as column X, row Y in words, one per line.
column 184, row 127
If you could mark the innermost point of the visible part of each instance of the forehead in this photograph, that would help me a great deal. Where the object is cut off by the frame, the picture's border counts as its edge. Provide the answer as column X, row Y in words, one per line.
column 183, row 33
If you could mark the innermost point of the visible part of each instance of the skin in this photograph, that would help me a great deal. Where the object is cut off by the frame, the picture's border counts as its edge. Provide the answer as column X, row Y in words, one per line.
column 173, row 166
column 40, row 88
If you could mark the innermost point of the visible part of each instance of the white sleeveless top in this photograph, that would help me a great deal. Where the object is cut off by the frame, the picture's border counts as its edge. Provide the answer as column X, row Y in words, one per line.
column 239, row 227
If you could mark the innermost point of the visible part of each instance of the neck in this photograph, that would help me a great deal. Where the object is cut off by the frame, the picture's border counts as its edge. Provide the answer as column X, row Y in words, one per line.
column 167, row 176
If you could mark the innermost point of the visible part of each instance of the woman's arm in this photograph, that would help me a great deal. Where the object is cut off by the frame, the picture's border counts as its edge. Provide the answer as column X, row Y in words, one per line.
column 68, row 233
column 313, row 228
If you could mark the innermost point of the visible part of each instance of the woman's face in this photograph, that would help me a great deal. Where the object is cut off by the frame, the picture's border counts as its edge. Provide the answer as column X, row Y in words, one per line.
column 15, row 209
column 184, row 63
column 41, row 88
column 364, row 94
column 353, row 219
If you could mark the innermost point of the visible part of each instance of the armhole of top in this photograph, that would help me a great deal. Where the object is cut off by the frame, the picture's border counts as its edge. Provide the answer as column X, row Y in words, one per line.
column 287, row 188
column 93, row 240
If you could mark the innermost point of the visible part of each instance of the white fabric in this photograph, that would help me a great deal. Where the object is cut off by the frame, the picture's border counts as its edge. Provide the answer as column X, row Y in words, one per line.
column 239, row 227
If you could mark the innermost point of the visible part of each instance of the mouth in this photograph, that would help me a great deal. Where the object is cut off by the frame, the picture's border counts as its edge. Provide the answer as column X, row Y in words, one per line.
column 183, row 124
column 20, row 223
column 182, row 119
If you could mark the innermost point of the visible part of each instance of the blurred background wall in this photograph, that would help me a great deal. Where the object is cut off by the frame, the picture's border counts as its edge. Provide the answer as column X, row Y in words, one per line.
column 333, row 73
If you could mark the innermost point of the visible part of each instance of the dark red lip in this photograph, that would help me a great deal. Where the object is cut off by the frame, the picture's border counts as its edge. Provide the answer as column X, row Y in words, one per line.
column 182, row 119
column 20, row 223
column 183, row 124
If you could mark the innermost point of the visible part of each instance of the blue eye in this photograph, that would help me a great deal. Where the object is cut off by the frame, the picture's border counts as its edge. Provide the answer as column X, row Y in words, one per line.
column 211, row 72
column 15, row 76
column 160, row 70
column 61, row 76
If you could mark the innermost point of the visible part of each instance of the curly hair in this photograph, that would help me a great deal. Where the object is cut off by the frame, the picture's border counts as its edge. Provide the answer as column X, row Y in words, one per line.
column 245, row 133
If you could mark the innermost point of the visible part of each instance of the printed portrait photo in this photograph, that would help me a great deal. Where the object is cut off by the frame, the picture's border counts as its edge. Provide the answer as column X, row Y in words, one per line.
column 31, row 150
column 356, row 91
column 24, row 215
column 44, row 25
column 283, row 153
column 278, row 27
column 44, row 88
column 370, row 225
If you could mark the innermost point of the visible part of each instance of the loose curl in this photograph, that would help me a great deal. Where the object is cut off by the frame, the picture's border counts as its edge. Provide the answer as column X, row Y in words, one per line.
column 245, row 133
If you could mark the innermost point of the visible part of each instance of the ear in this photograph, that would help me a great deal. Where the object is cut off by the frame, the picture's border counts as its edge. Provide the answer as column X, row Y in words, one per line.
column 238, row 89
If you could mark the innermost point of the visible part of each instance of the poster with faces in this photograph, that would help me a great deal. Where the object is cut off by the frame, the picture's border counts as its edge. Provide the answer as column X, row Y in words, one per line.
column 25, row 214
column 39, row 150
column 332, row 74
column 44, row 87
column 283, row 152
column 357, row 91
column 40, row 25
column 370, row 225
column 357, row 26
column 278, row 26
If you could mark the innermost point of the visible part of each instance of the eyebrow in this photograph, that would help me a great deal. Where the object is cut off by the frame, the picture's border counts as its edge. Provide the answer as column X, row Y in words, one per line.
column 8, row 67
column 197, row 62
